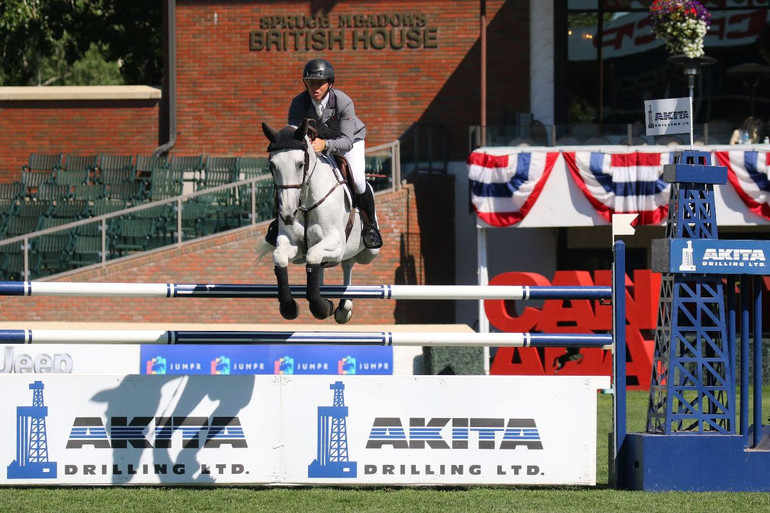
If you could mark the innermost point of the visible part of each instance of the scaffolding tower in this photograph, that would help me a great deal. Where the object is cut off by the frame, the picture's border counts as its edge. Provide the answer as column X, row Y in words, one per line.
column 692, row 386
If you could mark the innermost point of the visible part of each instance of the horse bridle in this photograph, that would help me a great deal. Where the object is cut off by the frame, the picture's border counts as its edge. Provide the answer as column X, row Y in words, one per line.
column 307, row 173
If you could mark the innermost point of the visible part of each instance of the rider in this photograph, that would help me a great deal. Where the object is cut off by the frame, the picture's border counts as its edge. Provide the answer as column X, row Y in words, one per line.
column 340, row 132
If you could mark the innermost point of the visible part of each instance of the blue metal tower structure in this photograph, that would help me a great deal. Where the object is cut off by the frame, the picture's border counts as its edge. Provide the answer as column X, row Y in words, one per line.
column 31, row 440
column 691, row 441
column 332, row 449
column 692, row 386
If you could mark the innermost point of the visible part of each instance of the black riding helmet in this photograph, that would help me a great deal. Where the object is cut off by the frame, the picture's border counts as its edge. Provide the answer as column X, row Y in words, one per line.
column 318, row 69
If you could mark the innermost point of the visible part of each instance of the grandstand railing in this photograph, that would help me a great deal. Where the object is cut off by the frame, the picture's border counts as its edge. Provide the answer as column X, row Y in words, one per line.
column 21, row 257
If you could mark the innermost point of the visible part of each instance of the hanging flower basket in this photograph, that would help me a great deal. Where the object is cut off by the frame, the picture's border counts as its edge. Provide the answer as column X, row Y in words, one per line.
column 681, row 25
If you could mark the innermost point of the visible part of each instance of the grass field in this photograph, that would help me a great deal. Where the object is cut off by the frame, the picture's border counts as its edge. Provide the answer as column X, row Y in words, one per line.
column 481, row 499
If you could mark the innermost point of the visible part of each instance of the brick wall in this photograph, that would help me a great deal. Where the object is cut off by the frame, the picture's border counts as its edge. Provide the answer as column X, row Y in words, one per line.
column 230, row 258
column 226, row 90
column 119, row 127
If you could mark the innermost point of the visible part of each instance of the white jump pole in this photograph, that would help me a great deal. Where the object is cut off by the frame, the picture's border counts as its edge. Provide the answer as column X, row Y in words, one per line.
column 213, row 290
column 381, row 338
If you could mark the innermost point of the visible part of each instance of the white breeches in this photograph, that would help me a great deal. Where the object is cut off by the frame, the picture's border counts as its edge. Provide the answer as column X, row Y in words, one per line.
column 356, row 160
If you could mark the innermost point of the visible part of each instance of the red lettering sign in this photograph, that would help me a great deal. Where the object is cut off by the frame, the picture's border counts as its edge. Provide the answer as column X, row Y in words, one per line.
column 577, row 316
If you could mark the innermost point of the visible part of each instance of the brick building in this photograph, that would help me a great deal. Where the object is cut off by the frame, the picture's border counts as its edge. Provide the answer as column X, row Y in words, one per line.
column 239, row 63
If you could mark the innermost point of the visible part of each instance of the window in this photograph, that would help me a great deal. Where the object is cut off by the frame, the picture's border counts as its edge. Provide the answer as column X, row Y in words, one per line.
column 613, row 63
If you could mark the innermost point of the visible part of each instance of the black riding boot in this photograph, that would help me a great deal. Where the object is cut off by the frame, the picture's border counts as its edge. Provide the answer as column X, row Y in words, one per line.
column 371, row 232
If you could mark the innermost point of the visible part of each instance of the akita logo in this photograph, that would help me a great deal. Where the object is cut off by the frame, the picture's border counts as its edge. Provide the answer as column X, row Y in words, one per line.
column 673, row 114
column 734, row 255
column 149, row 432
column 454, row 433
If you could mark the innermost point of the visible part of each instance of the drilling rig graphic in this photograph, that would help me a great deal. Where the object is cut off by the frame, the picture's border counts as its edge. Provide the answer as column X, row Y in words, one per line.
column 31, row 441
column 332, row 450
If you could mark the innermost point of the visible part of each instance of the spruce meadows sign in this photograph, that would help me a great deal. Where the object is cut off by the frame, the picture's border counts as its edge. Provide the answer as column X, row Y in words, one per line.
column 348, row 31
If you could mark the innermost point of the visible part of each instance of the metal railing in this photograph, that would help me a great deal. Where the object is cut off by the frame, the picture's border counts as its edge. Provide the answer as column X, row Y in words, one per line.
column 591, row 134
column 232, row 205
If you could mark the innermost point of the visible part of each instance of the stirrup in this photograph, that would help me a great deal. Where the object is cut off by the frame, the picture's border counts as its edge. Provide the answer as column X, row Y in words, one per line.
column 371, row 237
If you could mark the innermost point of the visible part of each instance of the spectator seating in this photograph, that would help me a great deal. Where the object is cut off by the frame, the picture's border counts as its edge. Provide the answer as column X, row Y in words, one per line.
column 55, row 190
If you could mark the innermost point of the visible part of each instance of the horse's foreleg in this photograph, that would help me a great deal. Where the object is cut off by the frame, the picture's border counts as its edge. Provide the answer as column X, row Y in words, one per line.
column 286, row 303
column 344, row 310
column 321, row 308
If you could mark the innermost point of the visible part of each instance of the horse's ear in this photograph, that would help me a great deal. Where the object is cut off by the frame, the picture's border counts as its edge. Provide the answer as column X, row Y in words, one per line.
column 270, row 133
column 301, row 132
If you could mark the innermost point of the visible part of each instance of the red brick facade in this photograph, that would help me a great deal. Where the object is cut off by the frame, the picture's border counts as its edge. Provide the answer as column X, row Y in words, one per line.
column 118, row 127
column 403, row 63
column 227, row 89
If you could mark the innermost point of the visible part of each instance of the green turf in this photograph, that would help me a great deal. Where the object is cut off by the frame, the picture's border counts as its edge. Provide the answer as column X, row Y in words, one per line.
column 391, row 500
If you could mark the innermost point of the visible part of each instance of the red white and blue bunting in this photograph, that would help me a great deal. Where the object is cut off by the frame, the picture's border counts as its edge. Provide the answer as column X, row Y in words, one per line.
column 622, row 183
column 504, row 187
column 747, row 171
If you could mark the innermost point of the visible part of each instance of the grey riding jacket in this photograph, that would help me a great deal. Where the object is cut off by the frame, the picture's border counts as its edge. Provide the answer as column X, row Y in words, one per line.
column 339, row 125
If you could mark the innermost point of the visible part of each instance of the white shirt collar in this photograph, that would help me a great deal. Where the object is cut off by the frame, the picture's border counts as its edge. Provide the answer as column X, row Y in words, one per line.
column 324, row 101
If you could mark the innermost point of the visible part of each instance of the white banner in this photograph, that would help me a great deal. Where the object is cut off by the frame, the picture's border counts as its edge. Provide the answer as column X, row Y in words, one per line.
column 69, row 359
column 341, row 430
column 668, row 116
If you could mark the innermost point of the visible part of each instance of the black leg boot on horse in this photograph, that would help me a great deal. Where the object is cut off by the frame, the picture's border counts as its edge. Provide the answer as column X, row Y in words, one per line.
column 320, row 308
column 287, row 305
column 370, row 232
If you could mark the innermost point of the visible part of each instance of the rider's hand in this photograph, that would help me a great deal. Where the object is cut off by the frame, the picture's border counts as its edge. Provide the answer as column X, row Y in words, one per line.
column 319, row 145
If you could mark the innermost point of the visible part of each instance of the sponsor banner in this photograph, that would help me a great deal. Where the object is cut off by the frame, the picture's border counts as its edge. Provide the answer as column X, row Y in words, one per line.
column 668, row 116
column 90, row 430
column 69, row 359
column 350, row 430
column 713, row 256
column 431, row 430
column 266, row 359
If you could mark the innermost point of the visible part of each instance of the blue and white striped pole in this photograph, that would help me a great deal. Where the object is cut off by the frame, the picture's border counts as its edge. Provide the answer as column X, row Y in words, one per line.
column 379, row 338
column 213, row 290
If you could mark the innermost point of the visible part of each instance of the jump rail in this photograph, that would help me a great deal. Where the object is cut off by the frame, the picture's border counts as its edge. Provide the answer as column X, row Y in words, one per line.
column 379, row 338
column 201, row 290
column 616, row 342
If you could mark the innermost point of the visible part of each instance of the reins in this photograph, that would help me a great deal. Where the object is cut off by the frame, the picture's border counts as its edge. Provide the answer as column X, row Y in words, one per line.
column 304, row 186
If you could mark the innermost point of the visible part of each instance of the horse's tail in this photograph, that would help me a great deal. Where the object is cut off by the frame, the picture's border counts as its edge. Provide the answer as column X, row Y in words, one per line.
column 263, row 248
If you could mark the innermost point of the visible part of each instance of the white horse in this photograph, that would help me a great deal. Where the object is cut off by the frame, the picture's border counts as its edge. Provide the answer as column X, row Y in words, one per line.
column 317, row 224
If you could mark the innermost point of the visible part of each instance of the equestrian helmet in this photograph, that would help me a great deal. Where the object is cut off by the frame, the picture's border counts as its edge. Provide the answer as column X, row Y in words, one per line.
column 318, row 69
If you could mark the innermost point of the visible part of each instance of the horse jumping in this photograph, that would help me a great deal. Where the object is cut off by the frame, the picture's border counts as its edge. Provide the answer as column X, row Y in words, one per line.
column 317, row 222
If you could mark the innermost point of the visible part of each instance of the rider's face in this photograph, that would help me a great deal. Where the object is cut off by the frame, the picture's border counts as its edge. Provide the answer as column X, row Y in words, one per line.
column 317, row 88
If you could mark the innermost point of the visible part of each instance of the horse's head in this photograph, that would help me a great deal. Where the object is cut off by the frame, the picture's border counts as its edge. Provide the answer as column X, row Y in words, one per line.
column 289, row 162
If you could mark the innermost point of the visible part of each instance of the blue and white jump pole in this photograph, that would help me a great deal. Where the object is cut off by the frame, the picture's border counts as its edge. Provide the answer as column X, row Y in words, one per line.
column 214, row 290
column 616, row 341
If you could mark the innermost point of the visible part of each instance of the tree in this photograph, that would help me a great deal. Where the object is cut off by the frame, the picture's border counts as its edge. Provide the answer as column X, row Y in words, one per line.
column 80, row 42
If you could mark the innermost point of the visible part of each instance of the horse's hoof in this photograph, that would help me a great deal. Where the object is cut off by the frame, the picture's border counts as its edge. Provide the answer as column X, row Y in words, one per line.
column 341, row 315
column 324, row 309
column 289, row 310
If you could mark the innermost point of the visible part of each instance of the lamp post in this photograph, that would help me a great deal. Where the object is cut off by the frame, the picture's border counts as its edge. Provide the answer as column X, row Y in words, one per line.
column 691, row 67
